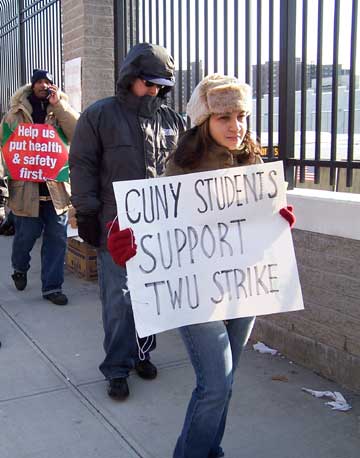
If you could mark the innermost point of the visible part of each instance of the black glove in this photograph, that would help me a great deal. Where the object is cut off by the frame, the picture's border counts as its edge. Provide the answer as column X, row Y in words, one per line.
column 89, row 228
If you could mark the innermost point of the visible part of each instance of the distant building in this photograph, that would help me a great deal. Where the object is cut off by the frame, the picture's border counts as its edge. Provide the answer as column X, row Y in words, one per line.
column 326, row 70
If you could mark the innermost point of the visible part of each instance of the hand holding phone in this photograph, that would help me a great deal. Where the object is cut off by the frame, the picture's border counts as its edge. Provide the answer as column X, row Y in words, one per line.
column 53, row 94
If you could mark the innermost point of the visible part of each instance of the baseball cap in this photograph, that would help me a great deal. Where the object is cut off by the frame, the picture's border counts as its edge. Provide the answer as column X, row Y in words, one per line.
column 158, row 80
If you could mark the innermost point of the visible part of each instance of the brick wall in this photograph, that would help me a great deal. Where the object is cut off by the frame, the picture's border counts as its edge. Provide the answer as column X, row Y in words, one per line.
column 89, row 34
column 326, row 335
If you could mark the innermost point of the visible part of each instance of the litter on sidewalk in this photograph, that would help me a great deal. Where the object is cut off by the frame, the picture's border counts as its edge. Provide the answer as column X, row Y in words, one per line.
column 338, row 401
column 262, row 348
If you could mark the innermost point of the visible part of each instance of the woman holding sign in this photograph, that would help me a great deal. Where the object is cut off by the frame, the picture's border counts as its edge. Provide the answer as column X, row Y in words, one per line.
column 219, row 138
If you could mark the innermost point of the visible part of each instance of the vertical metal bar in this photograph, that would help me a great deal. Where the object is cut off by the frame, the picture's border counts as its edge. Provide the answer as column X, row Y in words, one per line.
column 197, row 44
column 248, row 42
column 27, row 49
column 172, row 31
column 40, row 44
column 303, row 89
column 180, row 83
column 52, row 58
column 287, row 87
column 216, row 50
column 157, row 21
column 31, row 55
column 150, row 21
column 236, row 38
column 206, row 37
column 188, row 51
column 271, row 81
column 37, row 63
column 318, row 89
column 226, row 20
column 165, row 23
column 334, row 97
column 351, row 119
column 60, row 29
column 143, row 21
column 119, row 45
column 258, row 70
column 21, row 42
column 131, row 22
column 126, row 30
column 137, row 14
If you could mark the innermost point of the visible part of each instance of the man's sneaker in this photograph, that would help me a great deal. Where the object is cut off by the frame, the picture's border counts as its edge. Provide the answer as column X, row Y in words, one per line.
column 118, row 388
column 146, row 369
column 20, row 280
column 56, row 298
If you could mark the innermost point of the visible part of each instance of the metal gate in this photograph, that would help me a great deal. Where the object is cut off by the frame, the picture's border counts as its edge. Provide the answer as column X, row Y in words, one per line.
column 257, row 40
column 30, row 37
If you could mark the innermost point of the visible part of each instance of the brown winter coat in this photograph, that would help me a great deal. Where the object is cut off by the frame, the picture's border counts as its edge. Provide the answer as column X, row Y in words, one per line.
column 223, row 159
column 24, row 195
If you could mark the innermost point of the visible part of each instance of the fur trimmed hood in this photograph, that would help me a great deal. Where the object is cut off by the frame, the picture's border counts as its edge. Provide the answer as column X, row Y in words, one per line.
column 20, row 98
column 218, row 94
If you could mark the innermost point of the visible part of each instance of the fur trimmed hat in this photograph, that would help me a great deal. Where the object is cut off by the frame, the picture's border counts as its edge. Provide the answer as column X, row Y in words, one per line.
column 218, row 94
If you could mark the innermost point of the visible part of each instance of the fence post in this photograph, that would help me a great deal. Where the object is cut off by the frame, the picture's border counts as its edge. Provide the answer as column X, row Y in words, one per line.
column 21, row 48
column 119, row 34
column 287, row 86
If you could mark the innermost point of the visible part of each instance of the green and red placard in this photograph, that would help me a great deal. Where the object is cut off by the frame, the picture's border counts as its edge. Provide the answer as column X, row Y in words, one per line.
column 35, row 152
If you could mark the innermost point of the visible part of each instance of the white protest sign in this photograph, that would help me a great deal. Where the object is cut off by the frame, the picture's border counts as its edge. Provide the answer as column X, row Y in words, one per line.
column 211, row 246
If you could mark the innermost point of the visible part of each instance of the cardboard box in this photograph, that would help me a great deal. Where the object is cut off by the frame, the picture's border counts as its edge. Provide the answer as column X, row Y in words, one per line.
column 81, row 259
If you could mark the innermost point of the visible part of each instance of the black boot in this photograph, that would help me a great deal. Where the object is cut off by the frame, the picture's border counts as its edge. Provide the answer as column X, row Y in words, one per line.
column 118, row 388
column 146, row 369
column 57, row 298
column 20, row 280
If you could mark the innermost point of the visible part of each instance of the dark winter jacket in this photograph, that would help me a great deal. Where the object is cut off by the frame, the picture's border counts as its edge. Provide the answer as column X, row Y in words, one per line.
column 122, row 137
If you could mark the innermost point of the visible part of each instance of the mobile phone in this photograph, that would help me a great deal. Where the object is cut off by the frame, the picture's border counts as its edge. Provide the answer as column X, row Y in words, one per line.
column 49, row 93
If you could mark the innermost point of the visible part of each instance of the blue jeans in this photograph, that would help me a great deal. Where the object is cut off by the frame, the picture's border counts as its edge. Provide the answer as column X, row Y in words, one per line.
column 120, row 345
column 53, row 248
column 214, row 349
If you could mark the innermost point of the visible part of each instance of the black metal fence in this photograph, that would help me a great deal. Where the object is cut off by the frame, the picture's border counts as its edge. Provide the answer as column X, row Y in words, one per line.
column 270, row 44
column 30, row 37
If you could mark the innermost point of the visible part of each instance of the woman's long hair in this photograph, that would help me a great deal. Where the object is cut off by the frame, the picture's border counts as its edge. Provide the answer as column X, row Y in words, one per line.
column 195, row 143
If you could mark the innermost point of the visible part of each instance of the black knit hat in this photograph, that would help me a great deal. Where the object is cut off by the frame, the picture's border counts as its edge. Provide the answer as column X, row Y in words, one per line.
column 41, row 74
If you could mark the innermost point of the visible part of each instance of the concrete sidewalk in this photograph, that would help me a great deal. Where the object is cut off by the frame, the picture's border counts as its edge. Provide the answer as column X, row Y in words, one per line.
column 53, row 401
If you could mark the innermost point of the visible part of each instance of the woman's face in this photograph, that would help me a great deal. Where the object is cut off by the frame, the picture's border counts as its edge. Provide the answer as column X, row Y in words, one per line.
column 228, row 129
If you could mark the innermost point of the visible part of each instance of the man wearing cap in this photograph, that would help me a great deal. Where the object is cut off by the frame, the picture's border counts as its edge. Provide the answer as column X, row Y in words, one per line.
column 125, row 137
column 39, row 208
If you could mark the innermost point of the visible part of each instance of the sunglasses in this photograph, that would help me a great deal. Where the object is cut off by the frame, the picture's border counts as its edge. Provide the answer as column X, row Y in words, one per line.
column 150, row 84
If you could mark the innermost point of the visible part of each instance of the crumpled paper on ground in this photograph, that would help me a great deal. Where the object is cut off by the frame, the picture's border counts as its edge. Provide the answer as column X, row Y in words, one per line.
column 338, row 401
column 262, row 348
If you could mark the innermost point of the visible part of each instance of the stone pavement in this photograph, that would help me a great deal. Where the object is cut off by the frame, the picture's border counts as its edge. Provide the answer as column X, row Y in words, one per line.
column 53, row 401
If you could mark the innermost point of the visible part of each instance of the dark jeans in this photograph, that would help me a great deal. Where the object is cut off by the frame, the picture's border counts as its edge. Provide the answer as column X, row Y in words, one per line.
column 120, row 345
column 53, row 228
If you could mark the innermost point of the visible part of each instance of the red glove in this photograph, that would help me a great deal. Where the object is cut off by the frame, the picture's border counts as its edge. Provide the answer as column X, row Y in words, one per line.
column 288, row 214
column 121, row 244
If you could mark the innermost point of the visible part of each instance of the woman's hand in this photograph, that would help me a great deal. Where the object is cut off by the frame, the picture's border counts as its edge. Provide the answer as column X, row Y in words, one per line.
column 288, row 214
column 120, row 243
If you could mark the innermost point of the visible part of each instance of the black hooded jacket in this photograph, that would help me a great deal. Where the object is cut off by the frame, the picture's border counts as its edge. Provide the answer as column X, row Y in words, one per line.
column 123, row 137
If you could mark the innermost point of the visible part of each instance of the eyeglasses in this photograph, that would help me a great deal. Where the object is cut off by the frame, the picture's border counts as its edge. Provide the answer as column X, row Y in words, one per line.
column 150, row 84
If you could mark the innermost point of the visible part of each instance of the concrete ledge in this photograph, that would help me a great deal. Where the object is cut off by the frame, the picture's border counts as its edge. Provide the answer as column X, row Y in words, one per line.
column 326, row 335
column 326, row 212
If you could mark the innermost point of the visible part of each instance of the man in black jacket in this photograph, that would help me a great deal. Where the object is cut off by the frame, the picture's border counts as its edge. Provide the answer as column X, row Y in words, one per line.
column 125, row 137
